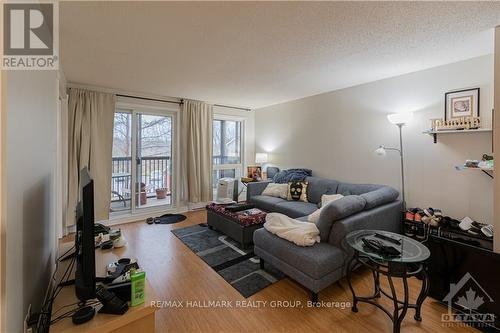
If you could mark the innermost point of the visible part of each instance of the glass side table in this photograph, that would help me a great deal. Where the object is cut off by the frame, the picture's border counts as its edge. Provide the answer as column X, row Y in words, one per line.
column 410, row 263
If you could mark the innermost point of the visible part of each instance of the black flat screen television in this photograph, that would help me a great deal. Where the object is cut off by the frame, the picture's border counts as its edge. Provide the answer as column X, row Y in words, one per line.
column 85, row 279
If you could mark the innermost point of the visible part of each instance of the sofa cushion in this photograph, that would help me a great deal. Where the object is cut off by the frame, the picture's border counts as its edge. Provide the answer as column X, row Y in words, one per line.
column 319, row 186
column 295, row 209
column 316, row 261
column 336, row 210
column 276, row 190
column 379, row 197
column 265, row 202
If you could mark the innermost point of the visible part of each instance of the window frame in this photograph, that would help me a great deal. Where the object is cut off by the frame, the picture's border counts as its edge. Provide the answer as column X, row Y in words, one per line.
column 134, row 107
column 239, row 166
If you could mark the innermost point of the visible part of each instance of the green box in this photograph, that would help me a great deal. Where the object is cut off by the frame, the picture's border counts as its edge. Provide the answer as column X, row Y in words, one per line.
column 138, row 281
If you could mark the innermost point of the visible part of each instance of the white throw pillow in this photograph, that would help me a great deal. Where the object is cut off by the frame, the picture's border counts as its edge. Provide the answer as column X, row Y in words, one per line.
column 325, row 199
column 276, row 190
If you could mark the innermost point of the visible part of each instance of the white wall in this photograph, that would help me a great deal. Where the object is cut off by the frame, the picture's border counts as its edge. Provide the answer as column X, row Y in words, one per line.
column 30, row 171
column 336, row 133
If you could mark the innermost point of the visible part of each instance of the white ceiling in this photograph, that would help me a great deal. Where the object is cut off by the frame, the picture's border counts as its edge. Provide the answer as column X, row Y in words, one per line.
column 261, row 53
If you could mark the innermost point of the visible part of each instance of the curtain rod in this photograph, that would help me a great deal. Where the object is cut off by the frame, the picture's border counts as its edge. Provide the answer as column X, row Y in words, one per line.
column 232, row 107
column 180, row 102
column 150, row 99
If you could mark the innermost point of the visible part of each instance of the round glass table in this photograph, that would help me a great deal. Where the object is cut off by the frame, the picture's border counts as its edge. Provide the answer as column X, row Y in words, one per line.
column 410, row 262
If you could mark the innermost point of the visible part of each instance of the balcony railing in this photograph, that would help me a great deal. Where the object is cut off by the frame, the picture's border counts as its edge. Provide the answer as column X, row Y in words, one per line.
column 155, row 173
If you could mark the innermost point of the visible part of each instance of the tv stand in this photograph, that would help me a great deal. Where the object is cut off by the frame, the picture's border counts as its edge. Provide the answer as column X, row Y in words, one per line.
column 101, row 279
column 140, row 318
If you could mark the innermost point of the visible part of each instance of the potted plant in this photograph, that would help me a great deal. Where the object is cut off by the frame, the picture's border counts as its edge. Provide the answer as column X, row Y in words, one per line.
column 161, row 193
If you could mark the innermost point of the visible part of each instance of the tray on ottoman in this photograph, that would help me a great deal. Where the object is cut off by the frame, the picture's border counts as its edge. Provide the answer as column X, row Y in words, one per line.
column 240, row 225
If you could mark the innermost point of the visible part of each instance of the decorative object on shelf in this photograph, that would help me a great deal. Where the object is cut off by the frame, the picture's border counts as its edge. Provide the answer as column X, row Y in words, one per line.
column 398, row 119
column 261, row 159
column 462, row 123
column 254, row 172
column 461, row 103
column 246, row 180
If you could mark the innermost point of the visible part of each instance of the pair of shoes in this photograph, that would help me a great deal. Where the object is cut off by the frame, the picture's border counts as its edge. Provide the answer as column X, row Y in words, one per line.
column 432, row 216
column 482, row 229
column 414, row 215
column 433, row 212
column 150, row 220
column 449, row 222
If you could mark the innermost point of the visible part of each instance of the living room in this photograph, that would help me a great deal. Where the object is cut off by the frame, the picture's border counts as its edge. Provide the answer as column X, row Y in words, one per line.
column 249, row 166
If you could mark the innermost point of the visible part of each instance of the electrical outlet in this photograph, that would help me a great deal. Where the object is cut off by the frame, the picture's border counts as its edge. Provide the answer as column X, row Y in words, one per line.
column 26, row 319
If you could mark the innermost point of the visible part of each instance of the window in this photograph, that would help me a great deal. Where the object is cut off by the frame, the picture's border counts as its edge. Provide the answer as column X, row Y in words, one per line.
column 227, row 159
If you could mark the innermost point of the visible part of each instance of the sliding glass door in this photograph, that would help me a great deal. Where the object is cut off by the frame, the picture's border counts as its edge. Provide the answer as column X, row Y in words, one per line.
column 142, row 174
column 154, row 160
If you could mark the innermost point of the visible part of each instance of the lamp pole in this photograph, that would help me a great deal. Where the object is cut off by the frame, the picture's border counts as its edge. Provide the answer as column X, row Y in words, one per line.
column 400, row 126
column 399, row 119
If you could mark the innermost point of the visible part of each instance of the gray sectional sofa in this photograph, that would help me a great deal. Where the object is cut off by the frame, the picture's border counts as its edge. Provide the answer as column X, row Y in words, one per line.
column 364, row 206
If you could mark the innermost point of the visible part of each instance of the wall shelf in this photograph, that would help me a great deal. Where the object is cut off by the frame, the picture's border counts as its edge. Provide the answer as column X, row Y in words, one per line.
column 487, row 171
column 435, row 133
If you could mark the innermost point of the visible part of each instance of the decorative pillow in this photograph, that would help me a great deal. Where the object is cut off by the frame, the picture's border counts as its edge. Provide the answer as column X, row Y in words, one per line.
column 325, row 199
column 276, row 190
column 297, row 191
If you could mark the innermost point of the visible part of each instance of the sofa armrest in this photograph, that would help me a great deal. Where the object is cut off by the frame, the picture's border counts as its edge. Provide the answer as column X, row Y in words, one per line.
column 386, row 217
column 380, row 197
column 256, row 188
column 337, row 210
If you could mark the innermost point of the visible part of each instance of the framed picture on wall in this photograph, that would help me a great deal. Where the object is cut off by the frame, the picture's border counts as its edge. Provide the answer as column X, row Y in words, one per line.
column 461, row 103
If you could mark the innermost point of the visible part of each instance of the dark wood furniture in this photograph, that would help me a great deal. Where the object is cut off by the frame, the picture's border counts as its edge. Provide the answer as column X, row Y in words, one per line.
column 232, row 227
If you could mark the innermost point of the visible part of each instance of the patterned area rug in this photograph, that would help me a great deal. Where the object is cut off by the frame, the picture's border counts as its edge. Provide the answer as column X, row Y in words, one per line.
column 239, row 268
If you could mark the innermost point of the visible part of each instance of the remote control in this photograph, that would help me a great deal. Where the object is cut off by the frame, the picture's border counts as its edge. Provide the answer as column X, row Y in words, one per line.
column 387, row 238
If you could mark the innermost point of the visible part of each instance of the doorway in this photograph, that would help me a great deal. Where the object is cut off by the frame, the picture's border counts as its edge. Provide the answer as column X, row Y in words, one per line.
column 142, row 161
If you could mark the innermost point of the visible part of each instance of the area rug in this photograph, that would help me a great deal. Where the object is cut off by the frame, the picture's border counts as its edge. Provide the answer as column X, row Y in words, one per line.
column 169, row 219
column 239, row 268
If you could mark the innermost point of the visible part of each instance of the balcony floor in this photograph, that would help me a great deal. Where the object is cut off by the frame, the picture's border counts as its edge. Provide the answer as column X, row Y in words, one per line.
column 123, row 206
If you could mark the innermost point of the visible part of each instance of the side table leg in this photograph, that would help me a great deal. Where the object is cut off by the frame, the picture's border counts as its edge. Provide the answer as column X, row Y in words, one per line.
column 350, row 266
column 376, row 283
column 423, row 294
column 397, row 317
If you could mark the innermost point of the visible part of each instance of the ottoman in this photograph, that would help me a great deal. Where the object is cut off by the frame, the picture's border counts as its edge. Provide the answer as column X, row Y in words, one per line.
column 240, row 226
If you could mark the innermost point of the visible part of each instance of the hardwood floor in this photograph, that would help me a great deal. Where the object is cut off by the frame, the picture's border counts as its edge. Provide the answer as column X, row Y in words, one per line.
column 177, row 274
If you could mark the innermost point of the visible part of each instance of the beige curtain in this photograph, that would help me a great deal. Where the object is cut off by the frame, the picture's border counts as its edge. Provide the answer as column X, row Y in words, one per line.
column 91, row 116
column 196, row 152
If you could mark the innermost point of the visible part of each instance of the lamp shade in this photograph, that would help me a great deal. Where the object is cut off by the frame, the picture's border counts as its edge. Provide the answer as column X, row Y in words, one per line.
column 261, row 158
column 400, row 118
column 380, row 151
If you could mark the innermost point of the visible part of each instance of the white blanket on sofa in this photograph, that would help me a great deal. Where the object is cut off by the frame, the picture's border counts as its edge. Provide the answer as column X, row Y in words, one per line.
column 298, row 232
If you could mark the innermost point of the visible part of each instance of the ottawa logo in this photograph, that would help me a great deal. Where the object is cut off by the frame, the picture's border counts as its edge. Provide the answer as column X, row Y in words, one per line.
column 467, row 296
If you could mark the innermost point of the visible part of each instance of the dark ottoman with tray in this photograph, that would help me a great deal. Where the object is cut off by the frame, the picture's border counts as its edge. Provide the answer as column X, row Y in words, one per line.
column 238, row 221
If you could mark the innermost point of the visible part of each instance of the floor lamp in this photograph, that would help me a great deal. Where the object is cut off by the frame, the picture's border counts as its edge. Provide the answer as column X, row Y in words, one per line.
column 398, row 119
